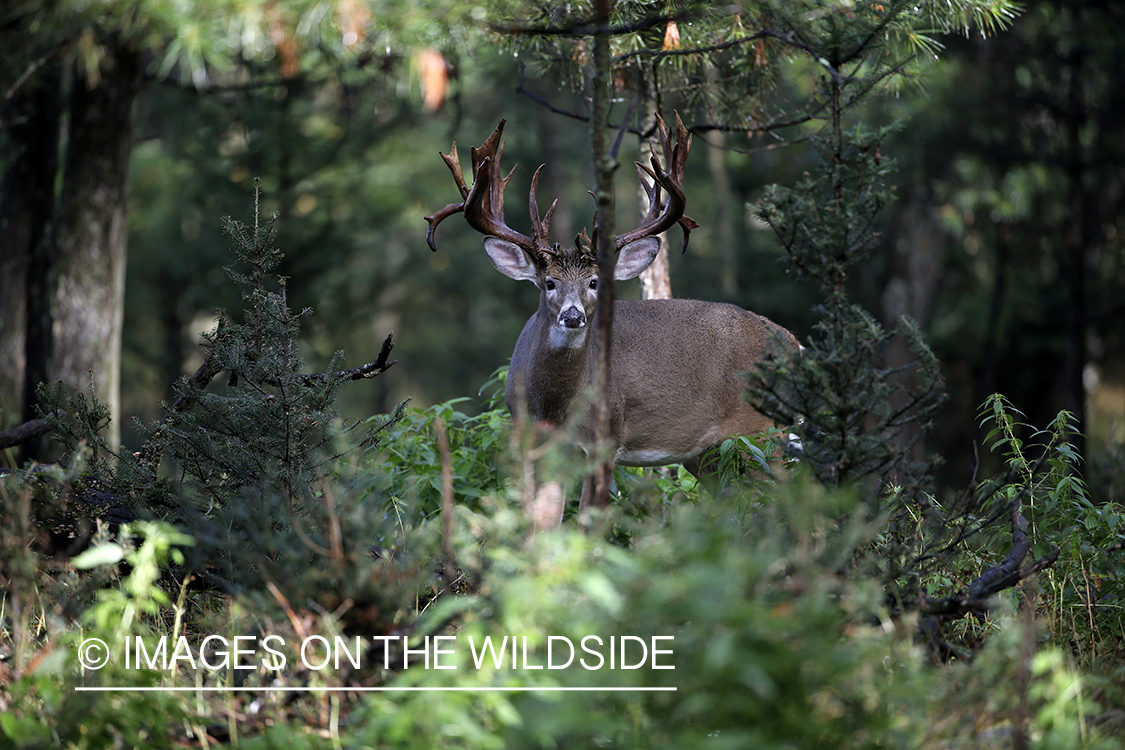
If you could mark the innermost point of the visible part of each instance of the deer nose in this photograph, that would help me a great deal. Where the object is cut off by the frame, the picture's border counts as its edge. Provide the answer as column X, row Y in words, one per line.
column 572, row 317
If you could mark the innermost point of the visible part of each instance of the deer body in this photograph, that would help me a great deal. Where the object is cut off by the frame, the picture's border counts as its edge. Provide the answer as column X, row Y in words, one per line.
column 672, row 397
column 674, row 388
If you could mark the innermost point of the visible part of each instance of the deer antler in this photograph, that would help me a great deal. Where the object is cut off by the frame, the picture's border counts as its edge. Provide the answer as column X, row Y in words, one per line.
column 662, row 215
column 483, row 203
column 586, row 247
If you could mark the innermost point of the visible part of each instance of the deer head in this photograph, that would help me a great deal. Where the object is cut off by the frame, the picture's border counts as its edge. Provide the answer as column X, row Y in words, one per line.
column 567, row 277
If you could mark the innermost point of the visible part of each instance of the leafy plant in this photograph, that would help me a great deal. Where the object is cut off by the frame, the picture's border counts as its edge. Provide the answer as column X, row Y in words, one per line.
column 42, row 707
column 1043, row 478
column 410, row 463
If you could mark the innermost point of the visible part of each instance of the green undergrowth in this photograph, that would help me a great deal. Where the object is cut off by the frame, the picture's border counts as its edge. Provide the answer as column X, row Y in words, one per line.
column 748, row 619
column 266, row 574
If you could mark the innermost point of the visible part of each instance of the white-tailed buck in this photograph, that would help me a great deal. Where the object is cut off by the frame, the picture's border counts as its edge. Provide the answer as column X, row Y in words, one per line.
column 675, row 388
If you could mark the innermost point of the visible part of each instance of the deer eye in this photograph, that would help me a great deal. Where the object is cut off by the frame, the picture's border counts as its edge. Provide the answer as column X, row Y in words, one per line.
column 549, row 285
column 594, row 283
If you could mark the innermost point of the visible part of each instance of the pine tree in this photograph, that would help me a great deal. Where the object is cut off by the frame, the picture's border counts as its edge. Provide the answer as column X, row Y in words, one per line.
column 857, row 419
column 235, row 465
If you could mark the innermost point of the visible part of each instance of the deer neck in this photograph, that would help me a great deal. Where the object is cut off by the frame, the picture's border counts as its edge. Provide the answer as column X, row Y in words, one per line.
column 552, row 363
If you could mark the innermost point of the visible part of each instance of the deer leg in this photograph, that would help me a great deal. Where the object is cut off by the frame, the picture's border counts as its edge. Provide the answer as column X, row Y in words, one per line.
column 546, row 507
column 705, row 468
column 587, row 493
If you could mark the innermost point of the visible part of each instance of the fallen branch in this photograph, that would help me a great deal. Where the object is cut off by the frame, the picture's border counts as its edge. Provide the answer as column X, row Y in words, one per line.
column 31, row 429
column 978, row 597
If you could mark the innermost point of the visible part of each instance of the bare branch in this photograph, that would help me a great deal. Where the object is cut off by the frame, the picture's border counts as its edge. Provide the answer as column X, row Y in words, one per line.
column 363, row 372
column 31, row 429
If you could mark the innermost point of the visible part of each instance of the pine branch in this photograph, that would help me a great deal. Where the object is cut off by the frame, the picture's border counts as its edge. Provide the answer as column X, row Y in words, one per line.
column 595, row 27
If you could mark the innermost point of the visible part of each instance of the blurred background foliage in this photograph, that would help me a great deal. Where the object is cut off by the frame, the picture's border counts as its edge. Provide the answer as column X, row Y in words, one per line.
column 1009, row 137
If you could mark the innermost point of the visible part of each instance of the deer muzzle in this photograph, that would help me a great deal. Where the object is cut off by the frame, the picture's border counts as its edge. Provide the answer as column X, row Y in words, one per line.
column 572, row 317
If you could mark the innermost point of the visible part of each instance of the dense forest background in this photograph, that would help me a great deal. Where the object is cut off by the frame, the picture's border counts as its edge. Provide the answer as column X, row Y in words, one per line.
column 1004, row 240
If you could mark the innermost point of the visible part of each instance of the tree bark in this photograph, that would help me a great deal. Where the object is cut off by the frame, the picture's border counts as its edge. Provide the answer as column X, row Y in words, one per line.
column 69, row 249
column 27, row 216
column 93, row 231
column 604, row 241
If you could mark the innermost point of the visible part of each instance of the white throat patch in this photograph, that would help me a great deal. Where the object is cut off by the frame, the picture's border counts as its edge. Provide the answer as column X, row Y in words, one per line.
column 561, row 337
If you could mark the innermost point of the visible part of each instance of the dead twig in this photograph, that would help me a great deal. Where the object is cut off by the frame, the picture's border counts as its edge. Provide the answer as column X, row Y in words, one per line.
column 33, row 428
column 446, row 500
column 363, row 372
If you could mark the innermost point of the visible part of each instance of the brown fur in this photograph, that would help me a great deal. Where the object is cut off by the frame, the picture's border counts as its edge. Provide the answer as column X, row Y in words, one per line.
column 675, row 386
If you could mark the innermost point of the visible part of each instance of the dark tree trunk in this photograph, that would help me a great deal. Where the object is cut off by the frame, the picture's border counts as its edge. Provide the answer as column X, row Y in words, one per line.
column 1073, row 249
column 990, row 353
column 69, row 249
column 604, row 242
column 913, row 270
column 27, row 217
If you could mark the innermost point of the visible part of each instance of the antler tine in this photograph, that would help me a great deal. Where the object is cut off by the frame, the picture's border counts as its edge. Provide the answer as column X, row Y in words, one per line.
column 661, row 216
column 666, row 144
column 486, row 162
column 436, row 218
column 483, row 202
column 453, row 161
column 652, row 190
column 585, row 245
column 540, row 227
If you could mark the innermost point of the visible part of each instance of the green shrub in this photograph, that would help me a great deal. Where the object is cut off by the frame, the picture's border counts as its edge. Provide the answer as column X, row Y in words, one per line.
column 1085, row 588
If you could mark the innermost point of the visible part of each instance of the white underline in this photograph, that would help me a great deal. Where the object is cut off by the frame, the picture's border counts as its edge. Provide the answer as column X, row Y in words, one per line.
column 212, row 689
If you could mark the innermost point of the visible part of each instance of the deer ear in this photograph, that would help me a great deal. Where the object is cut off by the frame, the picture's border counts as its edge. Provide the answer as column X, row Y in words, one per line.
column 509, row 259
column 635, row 257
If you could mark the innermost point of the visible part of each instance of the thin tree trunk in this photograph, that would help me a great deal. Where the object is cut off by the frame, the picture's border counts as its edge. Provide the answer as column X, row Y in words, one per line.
column 656, row 280
column 989, row 354
column 604, row 242
column 722, row 198
column 914, row 266
column 1074, row 254
column 724, row 211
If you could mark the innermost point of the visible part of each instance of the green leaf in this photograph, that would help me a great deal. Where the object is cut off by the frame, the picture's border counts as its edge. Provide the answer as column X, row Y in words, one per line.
column 105, row 554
